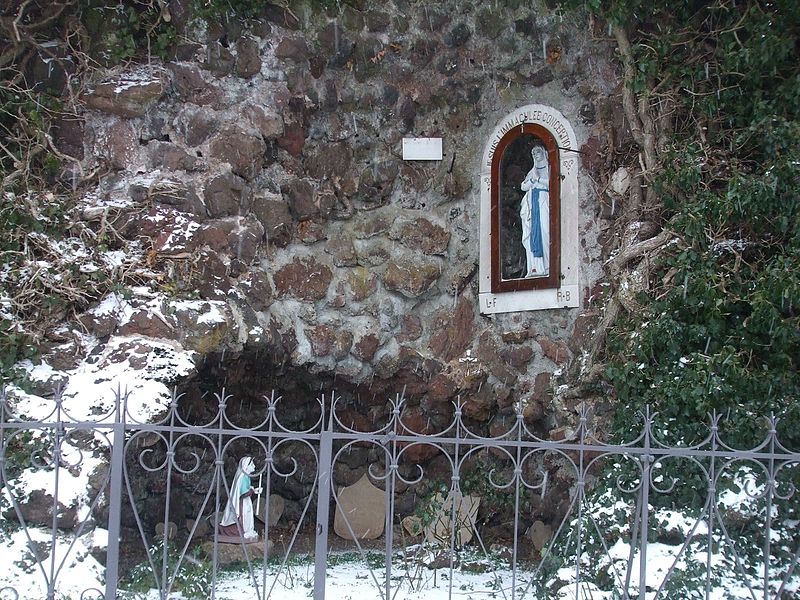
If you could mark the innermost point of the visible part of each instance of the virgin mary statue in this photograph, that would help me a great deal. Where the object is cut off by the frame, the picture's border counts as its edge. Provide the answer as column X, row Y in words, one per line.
column 534, row 211
column 237, row 520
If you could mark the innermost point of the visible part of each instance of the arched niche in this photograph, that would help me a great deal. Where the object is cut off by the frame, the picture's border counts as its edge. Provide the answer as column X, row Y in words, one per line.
column 529, row 213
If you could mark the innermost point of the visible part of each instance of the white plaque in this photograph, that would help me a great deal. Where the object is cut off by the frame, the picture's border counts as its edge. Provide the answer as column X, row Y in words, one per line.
column 422, row 148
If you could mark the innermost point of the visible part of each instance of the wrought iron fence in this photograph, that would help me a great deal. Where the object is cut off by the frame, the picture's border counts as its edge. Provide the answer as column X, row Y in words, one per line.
column 644, row 519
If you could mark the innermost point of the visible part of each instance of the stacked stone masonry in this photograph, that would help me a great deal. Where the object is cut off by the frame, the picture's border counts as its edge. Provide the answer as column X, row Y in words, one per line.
column 261, row 170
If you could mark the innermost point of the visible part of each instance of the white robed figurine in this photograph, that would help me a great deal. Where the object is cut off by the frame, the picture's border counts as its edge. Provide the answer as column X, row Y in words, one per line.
column 534, row 211
column 237, row 520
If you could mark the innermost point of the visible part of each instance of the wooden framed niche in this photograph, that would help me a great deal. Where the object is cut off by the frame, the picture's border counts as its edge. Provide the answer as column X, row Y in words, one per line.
column 529, row 214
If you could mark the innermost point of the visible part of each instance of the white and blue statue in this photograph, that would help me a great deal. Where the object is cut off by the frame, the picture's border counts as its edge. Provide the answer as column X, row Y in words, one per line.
column 534, row 212
column 238, row 522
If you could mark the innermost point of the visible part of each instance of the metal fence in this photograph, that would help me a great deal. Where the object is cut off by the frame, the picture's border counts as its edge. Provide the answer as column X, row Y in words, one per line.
column 645, row 519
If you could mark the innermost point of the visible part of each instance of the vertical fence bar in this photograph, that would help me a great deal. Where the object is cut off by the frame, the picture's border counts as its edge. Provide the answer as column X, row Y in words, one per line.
column 770, row 498
column 115, row 501
column 58, row 436
column 323, row 505
column 711, row 502
column 388, row 528
column 644, row 529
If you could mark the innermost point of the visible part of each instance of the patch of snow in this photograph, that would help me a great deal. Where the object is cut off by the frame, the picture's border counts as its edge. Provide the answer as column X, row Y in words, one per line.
column 78, row 570
column 208, row 311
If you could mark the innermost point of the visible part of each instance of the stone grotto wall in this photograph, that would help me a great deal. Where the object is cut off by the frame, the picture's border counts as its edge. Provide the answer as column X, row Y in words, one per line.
column 260, row 172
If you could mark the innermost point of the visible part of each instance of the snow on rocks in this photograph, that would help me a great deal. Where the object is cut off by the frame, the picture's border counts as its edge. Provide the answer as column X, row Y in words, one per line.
column 128, row 95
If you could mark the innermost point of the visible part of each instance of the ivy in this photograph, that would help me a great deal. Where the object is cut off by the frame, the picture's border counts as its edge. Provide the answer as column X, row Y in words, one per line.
column 720, row 327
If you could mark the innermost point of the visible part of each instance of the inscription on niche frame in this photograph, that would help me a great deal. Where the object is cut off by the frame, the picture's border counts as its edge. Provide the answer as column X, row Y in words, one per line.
column 534, row 116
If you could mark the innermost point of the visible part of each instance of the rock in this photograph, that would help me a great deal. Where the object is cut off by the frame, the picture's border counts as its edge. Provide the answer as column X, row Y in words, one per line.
column 410, row 328
column 342, row 344
column 245, row 239
column 127, row 97
column 502, row 423
column 360, row 511
column 269, row 124
column 411, row 278
column 295, row 49
column 226, row 195
column 489, row 23
column 243, row 151
column 447, row 63
column 321, row 338
column 191, row 86
column 479, row 404
column 439, row 532
column 303, row 278
column 273, row 213
column 434, row 19
column 543, row 388
column 232, row 554
column 540, row 534
column 293, row 139
column 458, row 35
column 200, row 527
column 145, row 323
column 375, row 183
column 171, row 529
column 413, row 525
column 212, row 281
column 422, row 52
column 341, row 248
column 407, row 111
column 167, row 193
column 362, row 283
column 583, row 331
column 300, row 196
column 540, row 77
column 423, row 235
column 620, row 181
column 554, row 350
column 202, row 325
column 37, row 510
column 120, row 144
column 248, row 61
column 271, row 511
column 516, row 336
column 332, row 160
column 352, row 17
column 372, row 253
column 214, row 235
column 171, row 231
column 257, row 289
column 488, row 353
column 68, row 135
column 533, row 411
column 197, row 124
column 170, row 157
column 372, row 223
column 364, row 349
column 311, row 231
column 377, row 20
column 453, row 331
column 219, row 60
column 518, row 357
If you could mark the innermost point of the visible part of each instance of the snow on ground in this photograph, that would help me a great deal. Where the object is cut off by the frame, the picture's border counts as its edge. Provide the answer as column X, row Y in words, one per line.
column 72, row 565
column 350, row 577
